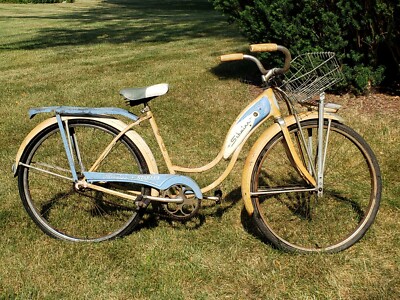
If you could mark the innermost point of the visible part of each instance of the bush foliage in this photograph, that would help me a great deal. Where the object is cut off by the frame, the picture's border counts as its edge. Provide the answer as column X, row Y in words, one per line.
column 364, row 33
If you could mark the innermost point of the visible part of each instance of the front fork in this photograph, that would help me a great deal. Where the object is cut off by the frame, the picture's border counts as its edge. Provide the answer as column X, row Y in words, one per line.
column 321, row 152
column 314, row 175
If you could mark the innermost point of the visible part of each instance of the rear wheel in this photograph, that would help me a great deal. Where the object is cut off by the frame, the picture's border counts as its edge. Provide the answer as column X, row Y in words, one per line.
column 56, row 205
column 301, row 220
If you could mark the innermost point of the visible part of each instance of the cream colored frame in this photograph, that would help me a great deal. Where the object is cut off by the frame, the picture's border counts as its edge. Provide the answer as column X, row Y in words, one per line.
column 275, row 112
column 281, row 124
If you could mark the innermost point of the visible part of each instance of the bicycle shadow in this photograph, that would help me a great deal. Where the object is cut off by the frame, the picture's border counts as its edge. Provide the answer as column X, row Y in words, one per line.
column 235, row 197
column 232, row 199
column 153, row 218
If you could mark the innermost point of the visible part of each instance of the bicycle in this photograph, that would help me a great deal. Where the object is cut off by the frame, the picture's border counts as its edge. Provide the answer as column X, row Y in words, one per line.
column 310, row 183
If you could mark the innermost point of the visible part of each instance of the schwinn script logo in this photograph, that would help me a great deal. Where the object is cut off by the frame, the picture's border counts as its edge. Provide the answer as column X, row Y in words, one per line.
column 238, row 133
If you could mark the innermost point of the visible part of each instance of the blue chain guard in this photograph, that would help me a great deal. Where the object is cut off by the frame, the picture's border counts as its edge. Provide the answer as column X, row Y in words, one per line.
column 158, row 181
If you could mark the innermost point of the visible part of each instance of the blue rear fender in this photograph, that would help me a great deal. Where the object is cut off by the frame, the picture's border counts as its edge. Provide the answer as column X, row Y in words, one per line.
column 83, row 111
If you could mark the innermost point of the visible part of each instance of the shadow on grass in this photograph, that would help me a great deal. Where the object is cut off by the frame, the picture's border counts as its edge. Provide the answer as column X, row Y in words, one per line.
column 121, row 21
column 244, row 71
column 247, row 222
column 153, row 216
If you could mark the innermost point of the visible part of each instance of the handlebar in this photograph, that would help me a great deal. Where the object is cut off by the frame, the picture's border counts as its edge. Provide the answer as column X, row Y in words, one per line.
column 268, row 47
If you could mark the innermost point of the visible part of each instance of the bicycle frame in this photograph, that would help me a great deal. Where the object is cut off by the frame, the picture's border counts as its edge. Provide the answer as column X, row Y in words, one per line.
column 255, row 114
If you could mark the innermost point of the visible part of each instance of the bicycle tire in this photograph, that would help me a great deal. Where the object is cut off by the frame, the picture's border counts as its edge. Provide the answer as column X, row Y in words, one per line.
column 302, row 221
column 56, row 206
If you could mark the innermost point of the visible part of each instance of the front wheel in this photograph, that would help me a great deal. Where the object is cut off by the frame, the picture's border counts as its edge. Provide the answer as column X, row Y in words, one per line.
column 303, row 221
column 53, row 201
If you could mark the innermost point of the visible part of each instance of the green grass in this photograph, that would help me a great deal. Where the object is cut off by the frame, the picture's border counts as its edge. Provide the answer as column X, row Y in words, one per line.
column 82, row 54
column 36, row 1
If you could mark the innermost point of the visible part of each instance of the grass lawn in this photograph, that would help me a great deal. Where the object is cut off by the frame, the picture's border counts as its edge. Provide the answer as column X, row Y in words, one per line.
column 82, row 54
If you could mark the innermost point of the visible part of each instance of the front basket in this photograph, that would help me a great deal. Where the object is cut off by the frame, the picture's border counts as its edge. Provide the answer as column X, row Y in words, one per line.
column 310, row 74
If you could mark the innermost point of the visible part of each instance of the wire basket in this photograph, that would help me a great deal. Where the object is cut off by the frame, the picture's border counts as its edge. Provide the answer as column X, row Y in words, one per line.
column 310, row 74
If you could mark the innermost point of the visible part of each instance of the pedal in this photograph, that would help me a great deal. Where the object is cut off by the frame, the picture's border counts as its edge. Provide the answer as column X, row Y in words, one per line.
column 217, row 198
column 141, row 202
column 218, row 194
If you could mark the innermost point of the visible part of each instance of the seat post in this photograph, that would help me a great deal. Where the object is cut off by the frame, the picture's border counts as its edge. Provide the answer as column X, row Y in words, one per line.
column 159, row 139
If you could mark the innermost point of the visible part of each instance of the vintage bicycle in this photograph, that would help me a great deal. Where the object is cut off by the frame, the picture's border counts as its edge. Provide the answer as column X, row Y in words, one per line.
column 310, row 183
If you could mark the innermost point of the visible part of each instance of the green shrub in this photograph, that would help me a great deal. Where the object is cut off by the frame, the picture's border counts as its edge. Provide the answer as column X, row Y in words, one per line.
column 364, row 33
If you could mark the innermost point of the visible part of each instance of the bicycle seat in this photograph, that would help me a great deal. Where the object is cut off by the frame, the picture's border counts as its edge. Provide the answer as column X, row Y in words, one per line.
column 136, row 96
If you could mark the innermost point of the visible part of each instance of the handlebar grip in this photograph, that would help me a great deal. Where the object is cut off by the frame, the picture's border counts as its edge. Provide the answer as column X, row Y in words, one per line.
column 231, row 57
column 269, row 47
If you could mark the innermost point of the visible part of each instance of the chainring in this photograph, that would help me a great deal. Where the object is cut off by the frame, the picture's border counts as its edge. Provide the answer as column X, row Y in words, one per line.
column 184, row 211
